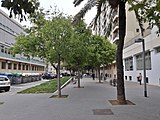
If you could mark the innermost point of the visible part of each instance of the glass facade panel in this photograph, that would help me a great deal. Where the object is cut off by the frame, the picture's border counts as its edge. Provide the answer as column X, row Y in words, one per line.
column 139, row 61
column 129, row 64
column 3, row 65
column 9, row 65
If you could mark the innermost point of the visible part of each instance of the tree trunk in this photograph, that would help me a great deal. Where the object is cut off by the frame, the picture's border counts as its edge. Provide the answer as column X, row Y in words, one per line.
column 119, row 56
column 58, row 76
column 78, row 77
column 99, row 75
column 113, row 3
column 103, row 72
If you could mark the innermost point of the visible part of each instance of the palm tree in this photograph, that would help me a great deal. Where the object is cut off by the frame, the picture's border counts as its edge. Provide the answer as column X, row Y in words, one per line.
column 121, row 99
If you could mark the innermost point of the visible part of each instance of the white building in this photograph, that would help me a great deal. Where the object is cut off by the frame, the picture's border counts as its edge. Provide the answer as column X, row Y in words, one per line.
column 132, row 53
column 133, row 62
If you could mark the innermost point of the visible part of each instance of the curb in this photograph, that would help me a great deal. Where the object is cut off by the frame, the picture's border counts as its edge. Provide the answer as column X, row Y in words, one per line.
column 65, row 84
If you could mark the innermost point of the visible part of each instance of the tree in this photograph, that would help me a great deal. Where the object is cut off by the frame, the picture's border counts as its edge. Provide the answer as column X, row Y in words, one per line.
column 78, row 50
column 48, row 39
column 147, row 11
column 122, row 29
column 150, row 11
column 102, row 52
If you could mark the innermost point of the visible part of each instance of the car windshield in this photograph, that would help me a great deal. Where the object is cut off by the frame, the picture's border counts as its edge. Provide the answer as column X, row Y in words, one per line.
column 3, row 79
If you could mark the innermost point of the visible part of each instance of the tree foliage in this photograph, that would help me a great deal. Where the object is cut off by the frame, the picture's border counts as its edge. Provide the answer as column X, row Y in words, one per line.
column 47, row 37
column 102, row 51
column 147, row 11
column 78, row 48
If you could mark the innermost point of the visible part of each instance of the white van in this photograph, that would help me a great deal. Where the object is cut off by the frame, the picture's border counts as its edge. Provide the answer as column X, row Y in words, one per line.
column 5, row 83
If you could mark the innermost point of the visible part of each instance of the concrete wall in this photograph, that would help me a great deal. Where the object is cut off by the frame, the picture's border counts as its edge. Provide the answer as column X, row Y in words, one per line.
column 151, row 41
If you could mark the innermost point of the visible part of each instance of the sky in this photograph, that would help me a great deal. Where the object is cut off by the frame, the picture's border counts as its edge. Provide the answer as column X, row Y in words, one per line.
column 65, row 6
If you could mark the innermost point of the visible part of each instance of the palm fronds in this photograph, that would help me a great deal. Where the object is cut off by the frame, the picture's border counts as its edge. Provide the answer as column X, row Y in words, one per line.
column 77, row 2
column 84, row 10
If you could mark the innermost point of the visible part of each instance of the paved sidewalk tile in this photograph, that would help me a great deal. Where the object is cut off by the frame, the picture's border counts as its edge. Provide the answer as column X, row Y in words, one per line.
column 88, row 103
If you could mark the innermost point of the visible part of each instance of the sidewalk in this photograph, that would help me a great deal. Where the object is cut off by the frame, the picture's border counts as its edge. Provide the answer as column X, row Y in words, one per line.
column 81, row 102
column 96, row 95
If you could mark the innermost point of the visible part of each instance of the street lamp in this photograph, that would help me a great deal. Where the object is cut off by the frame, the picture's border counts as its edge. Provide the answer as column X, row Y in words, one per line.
column 144, row 65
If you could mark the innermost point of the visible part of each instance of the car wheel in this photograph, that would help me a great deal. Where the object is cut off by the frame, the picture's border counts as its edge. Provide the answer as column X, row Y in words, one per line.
column 7, row 89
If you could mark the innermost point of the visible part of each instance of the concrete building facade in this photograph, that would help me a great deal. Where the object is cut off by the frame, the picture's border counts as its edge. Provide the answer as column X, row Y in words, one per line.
column 132, row 53
column 9, row 30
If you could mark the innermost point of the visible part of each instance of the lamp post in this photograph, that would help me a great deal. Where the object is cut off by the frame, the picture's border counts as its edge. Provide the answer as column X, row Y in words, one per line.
column 144, row 65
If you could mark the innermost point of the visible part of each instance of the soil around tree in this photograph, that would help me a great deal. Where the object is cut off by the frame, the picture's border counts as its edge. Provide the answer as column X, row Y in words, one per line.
column 79, row 87
column 115, row 102
column 56, row 96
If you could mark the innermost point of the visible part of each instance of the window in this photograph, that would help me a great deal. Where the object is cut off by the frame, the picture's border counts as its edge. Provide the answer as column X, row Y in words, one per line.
column 139, row 61
column 32, row 67
column 23, row 67
column 130, row 77
column 26, row 67
column 2, row 49
column 125, row 77
column 148, row 61
column 3, row 65
column 9, row 65
column 158, row 49
column 110, row 75
column 115, row 76
column 15, row 66
column 35, row 68
column 129, row 64
column 5, row 50
column 9, row 52
column 42, row 68
column 137, row 30
column 19, row 66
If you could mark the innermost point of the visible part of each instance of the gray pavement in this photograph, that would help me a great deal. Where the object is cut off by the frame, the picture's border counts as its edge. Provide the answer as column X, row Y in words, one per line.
column 81, row 102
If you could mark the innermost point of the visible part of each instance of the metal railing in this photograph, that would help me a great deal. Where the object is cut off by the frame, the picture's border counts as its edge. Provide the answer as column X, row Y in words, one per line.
column 11, row 57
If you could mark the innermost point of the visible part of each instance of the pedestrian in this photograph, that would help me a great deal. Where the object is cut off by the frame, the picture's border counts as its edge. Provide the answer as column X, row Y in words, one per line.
column 106, row 75
column 114, row 82
column 140, row 78
column 93, row 76
column 101, row 76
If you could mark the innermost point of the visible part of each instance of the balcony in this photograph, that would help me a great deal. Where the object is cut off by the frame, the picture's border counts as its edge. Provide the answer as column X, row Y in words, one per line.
column 115, row 39
column 20, row 59
column 115, row 24
column 115, row 18
column 115, row 29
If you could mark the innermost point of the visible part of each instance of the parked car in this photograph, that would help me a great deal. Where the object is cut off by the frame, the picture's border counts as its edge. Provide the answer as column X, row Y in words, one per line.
column 48, row 76
column 5, row 83
column 65, row 74
column 60, row 76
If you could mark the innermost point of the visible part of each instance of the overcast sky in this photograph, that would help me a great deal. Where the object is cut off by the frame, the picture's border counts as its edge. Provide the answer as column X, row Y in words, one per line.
column 65, row 6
